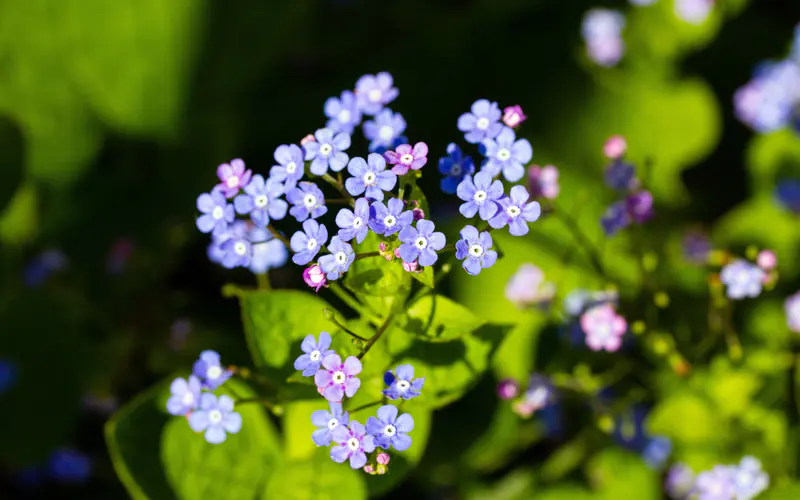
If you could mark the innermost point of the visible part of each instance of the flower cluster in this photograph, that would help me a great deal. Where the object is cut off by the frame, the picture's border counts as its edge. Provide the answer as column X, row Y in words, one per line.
column 205, row 411
column 602, row 32
column 539, row 394
column 742, row 481
column 637, row 206
column 336, row 380
column 745, row 279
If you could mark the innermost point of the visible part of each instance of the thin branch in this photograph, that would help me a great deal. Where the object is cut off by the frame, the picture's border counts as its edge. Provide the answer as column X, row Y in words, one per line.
column 377, row 336
column 365, row 406
column 582, row 240
column 330, row 316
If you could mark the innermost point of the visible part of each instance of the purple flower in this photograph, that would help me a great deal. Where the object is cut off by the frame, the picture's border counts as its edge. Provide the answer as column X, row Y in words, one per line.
column 620, row 175
column 526, row 287
column 261, row 200
column 716, row 484
column 308, row 200
column 516, row 212
column 314, row 277
column 8, row 375
column 483, row 122
column 421, row 243
column 210, row 371
column 215, row 417
column 384, row 129
column 792, row 308
column 217, row 213
column 606, row 52
column 679, row 481
column 404, row 385
column 370, row 176
column 290, row 166
column 454, row 167
column 315, row 352
column 390, row 430
column 336, row 379
column 343, row 113
column 615, row 218
column 481, row 195
column 405, row 158
column 307, row 243
column 375, row 92
column 507, row 154
column 327, row 422
column 742, row 279
column 639, row 206
column 513, row 116
column 352, row 443
column 603, row 327
column 474, row 249
column 788, row 194
column 338, row 261
column 507, row 389
column 232, row 177
column 696, row 247
column 236, row 247
column 354, row 223
column 748, row 478
column 390, row 218
column 267, row 254
column 185, row 395
column 327, row 151
column 767, row 260
column 543, row 181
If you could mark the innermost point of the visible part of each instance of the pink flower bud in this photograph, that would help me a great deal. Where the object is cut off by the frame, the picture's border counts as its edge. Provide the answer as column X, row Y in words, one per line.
column 615, row 147
column 315, row 277
column 412, row 267
column 508, row 388
column 383, row 249
column 767, row 260
column 305, row 140
column 418, row 214
column 369, row 469
column 383, row 458
column 513, row 116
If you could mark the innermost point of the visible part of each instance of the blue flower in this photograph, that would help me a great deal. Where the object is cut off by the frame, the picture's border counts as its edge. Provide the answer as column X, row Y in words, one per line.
column 215, row 417
column 620, row 175
column 403, row 385
column 343, row 113
column 384, row 129
column 716, row 484
column 474, row 249
column 307, row 199
column 210, row 371
column 236, row 247
column 185, row 395
column 217, row 213
column 290, row 166
column 454, row 167
column 788, row 193
column 327, row 151
column 398, row 141
column 507, row 154
column 370, row 176
column 268, row 252
column 749, row 480
column 482, row 123
column 315, row 352
column 390, row 430
column 742, row 279
column 261, row 201
column 390, row 218
column 327, row 422
column 353, row 443
column 8, row 375
column 679, row 481
column 421, row 243
column 41, row 267
column 306, row 243
column 354, row 223
column 615, row 218
column 516, row 212
column 375, row 92
column 480, row 195
column 656, row 452
column 338, row 261
column 69, row 466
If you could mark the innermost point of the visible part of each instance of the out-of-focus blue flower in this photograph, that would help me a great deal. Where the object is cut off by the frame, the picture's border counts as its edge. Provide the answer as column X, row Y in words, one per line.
column 421, row 243
column 308, row 200
column 615, row 218
column 543, row 181
column 768, row 101
column 327, row 422
column 390, row 430
column 639, row 206
column 354, row 223
column 217, row 213
column 642, row 3
column 694, row 11
column 788, row 194
column 209, row 369
column 696, row 247
column 516, row 212
column 69, row 466
column 679, row 481
column 306, row 243
column 314, row 353
column 290, row 167
column 268, row 252
column 215, row 417
column 508, row 155
column 482, row 122
column 370, row 177
column 384, row 129
column 8, row 374
column 579, row 301
column 656, row 452
column 602, row 31
column 620, row 175
column 474, row 249
column 455, row 166
column 353, row 444
column 343, row 113
column 41, row 267
column 715, row 484
column 539, row 394
column 327, row 151
column 390, row 218
column 185, row 395
column 402, row 383
column 338, row 261
column 373, row 92
column 480, row 195
column 742, row 279
column 748, row 478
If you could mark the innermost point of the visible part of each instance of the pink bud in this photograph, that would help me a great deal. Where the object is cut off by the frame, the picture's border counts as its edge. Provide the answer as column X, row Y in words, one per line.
column 767, row 260
column 418, row 214
column 615, row 147
column 508, row 388
column 523, row 409
column 412, row 267
column 369, row 469
column 383, row 458
column 305, row 140
column 315, row 277
column 513, row 116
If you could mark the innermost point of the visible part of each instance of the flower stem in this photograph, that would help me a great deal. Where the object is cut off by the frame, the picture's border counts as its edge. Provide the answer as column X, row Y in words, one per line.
column 339, row 187
column 349, row 300
column 367, row 254
column 582, row 240
column 377, row 336
column 262, row 279
column 329, row 314
column 278, row 235
column 365, row 406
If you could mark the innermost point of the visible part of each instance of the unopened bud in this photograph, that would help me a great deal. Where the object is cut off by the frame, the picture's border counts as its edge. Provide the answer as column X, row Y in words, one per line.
column 383, row 458
column 305, row 140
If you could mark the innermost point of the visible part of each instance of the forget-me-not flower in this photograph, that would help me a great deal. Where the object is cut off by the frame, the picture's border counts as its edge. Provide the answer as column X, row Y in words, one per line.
column 290, row 167
column 327, row 422
column 217, row 213
column 603, row 328
column 455, row 166
column 306, row 243
column 390, row 218
column 679, row 481
column 715, row 484
column 209, row 370
column 185, row 395
column 336, row 379
column 232, row 177
column 480, row 194
column 402, row 383
column 308, row 200
column 315, row 352
column 268, row 251
column 620, row 175
column 792, row 309
column 373, row 92
column 343, row 113
column 384, row 129
column 482, row 122
column 338, row 261
column 527, row 287
column 261, row 200
column 354, row 223
column 353, row 443
column 421, row 243
column 508, row 155
column 404, row 157
column 516, row 212
column 69, row 466
column 236, row 246
column 475, row 250
column 390, row 430
column 543, row 181
column 215, row 417
column 748, row 478
column 742, row 279
column 370, row 177
column 327, row 151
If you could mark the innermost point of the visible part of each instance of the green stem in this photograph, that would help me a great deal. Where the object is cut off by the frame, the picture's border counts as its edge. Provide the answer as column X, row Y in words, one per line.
column 262, row 279
column 366, row 255
column 365, row 406
column 278, row 235
column 582, row 240
column 347, row 299
column 339, row 187
column 329, row 314
column 377, row 336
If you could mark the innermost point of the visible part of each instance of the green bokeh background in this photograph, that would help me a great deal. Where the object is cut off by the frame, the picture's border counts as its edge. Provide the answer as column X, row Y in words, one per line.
column 114, row 116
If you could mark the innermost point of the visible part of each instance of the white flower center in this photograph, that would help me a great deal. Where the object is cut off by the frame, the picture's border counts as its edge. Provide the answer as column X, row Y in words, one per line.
column 403, row 385
column 389, row 221
column 603, row 330
column 317, row 276
column 339, row 377
column 455, row 170
column 375, row 95
column 215, row 416
column 386, row 133
column 340, row 257
column 332, row 424
column 479, row 196
column 354, row 444
column 261, row 201
column 504, row 154
column 483, row 123
column 291, row 167
column 217, row 213
column 188, row 398
column 213, row 372
column 344, row 116
column 315, row 355
column 240, row 248
column 233, row 181
column 358, row 222
column 310, row 201
column 389, row 430
column 311, row 244
column 407, row 159
column 325, row 149
column 370, row 178
column 513, row 211
column 421, row 243
column 476, row 250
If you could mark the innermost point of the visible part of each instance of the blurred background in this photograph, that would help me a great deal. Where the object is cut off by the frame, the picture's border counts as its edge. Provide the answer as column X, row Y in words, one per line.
column 115, row 115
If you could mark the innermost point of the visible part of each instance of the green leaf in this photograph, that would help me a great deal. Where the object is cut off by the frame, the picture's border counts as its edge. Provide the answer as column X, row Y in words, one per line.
column 12, row 160
column 732, row 391
column 565, row 492
column 425, row 277
column 133, row 435
column 784, row 491
column 506, row 435
column 771, row 157
column 18, row 220
column 686, row 418
column 435, row 318
column 566, row 458
column 318, row 478
column 236, row 468
column 621, row 474
column 382, row 284
column 516, row 485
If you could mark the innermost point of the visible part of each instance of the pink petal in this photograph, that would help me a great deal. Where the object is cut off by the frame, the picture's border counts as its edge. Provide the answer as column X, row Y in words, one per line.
column 419, row 163
column 420, row 149
column 403, row 149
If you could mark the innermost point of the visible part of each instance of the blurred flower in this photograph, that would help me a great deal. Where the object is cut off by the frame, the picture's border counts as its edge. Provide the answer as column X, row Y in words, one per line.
column 475, row 250
column 615, row 147
column 656, row 452
column 602, row 31
column 338, row 261
column 314, row 277
column 543, row 181
column 694, row 11
column 343, row 113
column 696, row 247
column 237, row 249
column 353, row 444
column 768, row 101
column 641, row 3
column 389, row 218
column 620, row 175
column 513, row 116
column 716, row 484
column 454, row 167
column 306, row 243
column 679, row 481
column 482, row 122
column 384, row 129
column 402, row 383
column 370, row 177
column 308, row 200
column 41, row 267
column 290, row 167
column 119, row 254
column 336, row 379
column 507, row 154
column 405, row 158
column 185, row 395
column 209, row 370
column 215, row 417
column 767, row 260
column 268, row 252
column 233, row 177
column 749, row 480
column 69, row 466
column 327, row 422
column 507, row 388
column 788, row 194
column 538, row 395
column 615, row 218
column 314, row 353
column 8, row 374
column 391, row 430
column 526, row 287
column 578, row 301
column 792, row 308
column 373, row 92
column 327, row 151
column 421, row 243
column 516, row 212
column 742, row 279
column 639, row 206
column 603, row 327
